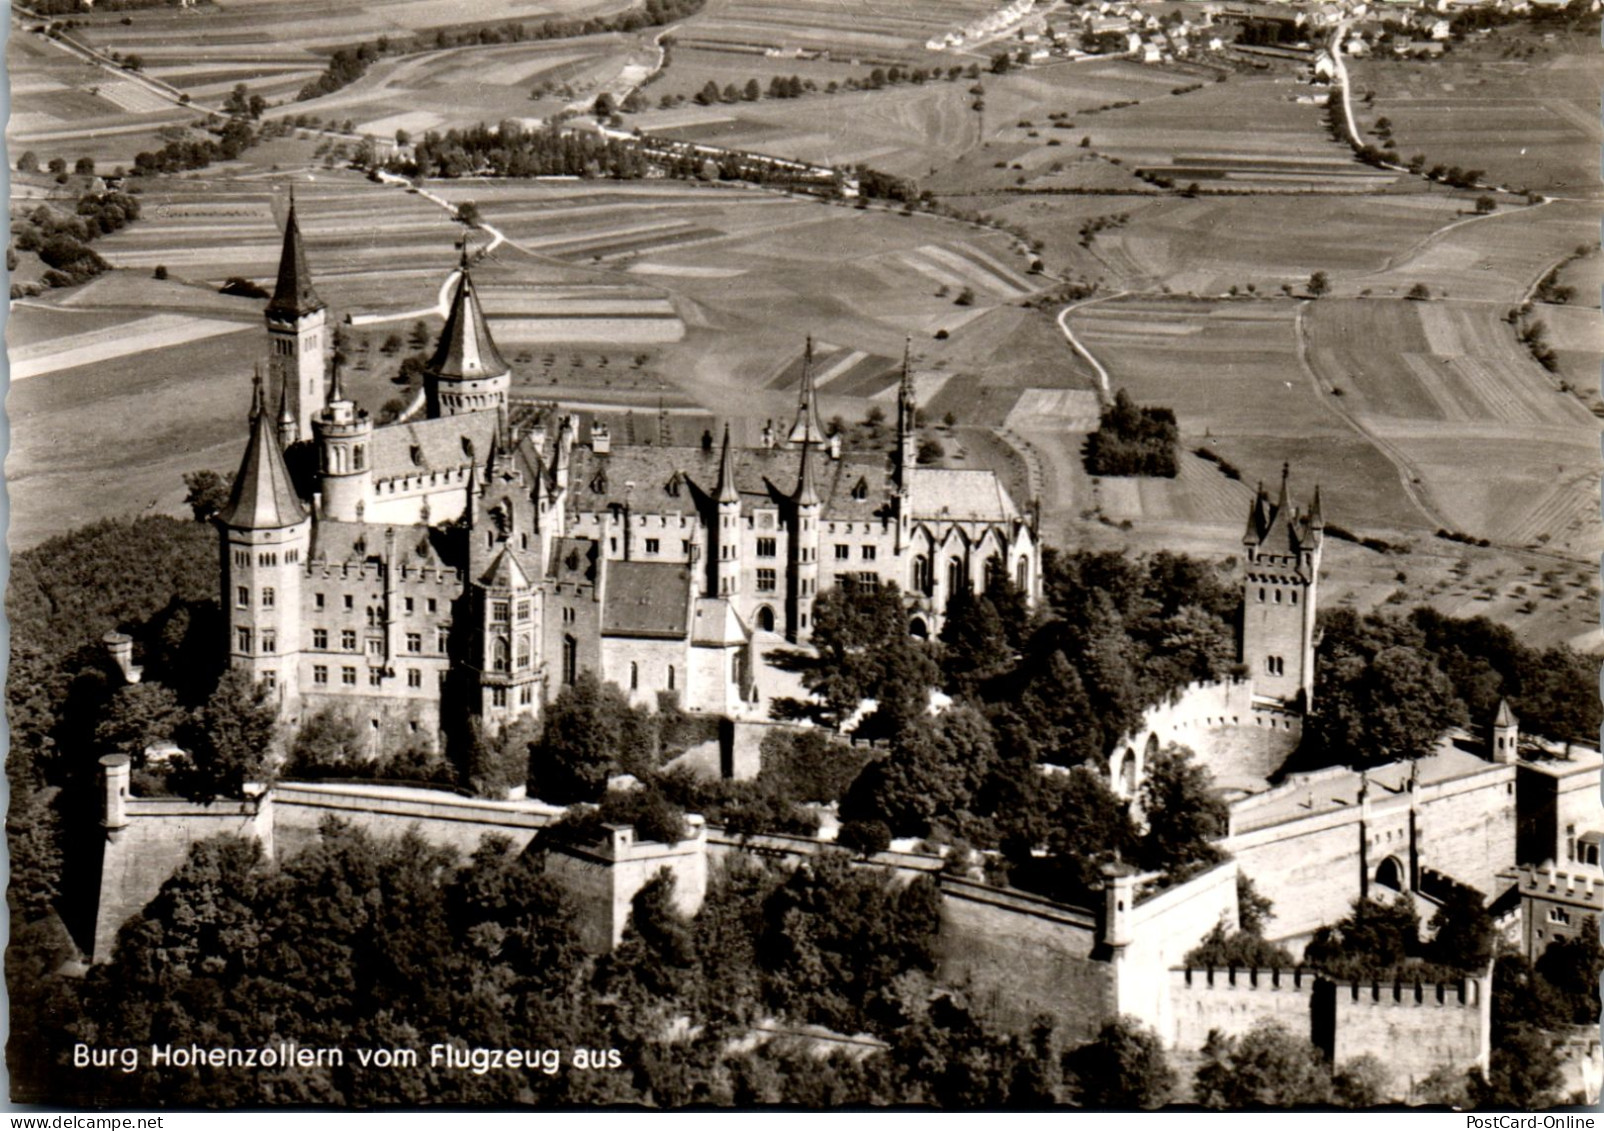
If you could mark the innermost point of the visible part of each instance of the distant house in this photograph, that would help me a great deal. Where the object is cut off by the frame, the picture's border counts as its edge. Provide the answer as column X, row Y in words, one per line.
column 1151, row 53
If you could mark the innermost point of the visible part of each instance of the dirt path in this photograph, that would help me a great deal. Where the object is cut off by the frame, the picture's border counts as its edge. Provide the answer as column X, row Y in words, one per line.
column 1075, row 344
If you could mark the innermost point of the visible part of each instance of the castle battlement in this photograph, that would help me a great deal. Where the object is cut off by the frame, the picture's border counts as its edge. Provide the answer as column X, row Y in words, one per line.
column 1573, row 887
column 1298, row 979
column 1463, row 993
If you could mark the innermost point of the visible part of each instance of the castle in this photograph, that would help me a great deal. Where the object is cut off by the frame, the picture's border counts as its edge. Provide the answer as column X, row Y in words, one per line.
column 450, row 563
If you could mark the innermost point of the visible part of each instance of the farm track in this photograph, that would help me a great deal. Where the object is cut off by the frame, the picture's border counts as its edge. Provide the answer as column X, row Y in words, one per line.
column 1414, row 488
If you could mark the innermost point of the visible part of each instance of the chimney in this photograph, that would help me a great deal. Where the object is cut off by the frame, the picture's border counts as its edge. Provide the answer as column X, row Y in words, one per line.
column 768, row 433
column 835, row 445
column 601, row 441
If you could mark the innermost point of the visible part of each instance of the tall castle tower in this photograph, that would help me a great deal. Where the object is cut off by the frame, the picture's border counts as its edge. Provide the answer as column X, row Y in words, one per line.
column 344, row 435
column 802, row 578
column 266, row 537
column 467, row 373
column 506, row 563
column 296, row 332
column 724, row 559
column 1279, row 596
column 907, row 449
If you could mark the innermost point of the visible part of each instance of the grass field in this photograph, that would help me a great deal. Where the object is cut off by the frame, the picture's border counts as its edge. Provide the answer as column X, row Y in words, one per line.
column 1530, row 124
column 844, row 29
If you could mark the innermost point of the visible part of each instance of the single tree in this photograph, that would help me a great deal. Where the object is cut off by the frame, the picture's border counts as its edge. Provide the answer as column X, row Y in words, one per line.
column 1268, row 1067
column 1125, row 1067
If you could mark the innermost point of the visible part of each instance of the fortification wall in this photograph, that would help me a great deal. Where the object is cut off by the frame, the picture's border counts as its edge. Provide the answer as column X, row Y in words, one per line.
column 1234, row 1001
column 1237, row 738
column 604, row 879
column 1414, row 1029
column 1467, row 827
column 1309, row 866
column 440, row 817
column 1019, row 956
column 144, row 853
column 1163, row 929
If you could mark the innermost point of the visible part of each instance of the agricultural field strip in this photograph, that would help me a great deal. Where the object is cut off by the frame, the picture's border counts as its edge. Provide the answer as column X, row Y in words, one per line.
column 159, row 331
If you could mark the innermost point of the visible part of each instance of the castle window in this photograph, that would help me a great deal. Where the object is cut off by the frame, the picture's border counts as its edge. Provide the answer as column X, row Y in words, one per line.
column 348, row 677
column 408, row 605
column 417, row 455
column 1261, row 594
column 359, row 455
column 498, row 696
column 1274, row 665
column 268, row 597
column 867, row 579
column 526, row 695
column 499, row 610
column 414, row 642
column 570, row 660
column 634, row 676
column 414, row 677
column 921, row 574
column 523, row 652
column 1278, row 596
column 375, row 677
column 568, row 616
column 860, row 489
column 1022, row 575
column 317, row 601
column 242, row 640
column 1292, row 595
column 430, row 605
column 955, row 575
column 375, row 646
column 842, row 552
column 1558, row 915
column 350, row 601
column 501, row 659
column 270, row 680
column 348, row 640
column 653, row 546
column 685, row 547
column 802, row 621
column 523, row 610
column 671, row 677
column 291, row 557
column 868, row 553
column 320, row 674
column 765, row 547
column 242, row 597
column 373, row 617
column 320, row 638
column 242, row 557
column 765, row 581
column 442, row 639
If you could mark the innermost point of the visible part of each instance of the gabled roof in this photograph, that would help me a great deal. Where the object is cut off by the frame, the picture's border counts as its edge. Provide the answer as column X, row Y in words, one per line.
column 646, row 599
column 944, row 492
column 293, row 295
column 466, row 350
column 716, row 624
column 263, row 497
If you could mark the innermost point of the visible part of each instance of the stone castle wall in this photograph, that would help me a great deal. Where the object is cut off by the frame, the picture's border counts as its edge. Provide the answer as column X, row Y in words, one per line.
column 1414, row 1029
column 1239, row 738
column 1234, row 1002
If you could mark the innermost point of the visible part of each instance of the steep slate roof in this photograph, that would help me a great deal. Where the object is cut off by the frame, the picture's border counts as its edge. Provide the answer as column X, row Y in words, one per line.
column 763, row 477
column 263, row 497
column 646, row 599
column 1278, row 527
column 438, row 443
column 940, row 492
column 716, row 623
column 1505, row 716
column 335, row 542
column 466, row 350
column 293, row 295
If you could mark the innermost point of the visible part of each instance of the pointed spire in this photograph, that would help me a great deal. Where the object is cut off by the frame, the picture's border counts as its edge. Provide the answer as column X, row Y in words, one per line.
column 263, row 497
column 807, row 494
column 1317, row 520
column 726, row 472
column 906, row 390
column 288, row 430
column 1281, row 502
column 1255, row 530
column 1505, row 716
column 337, row 387
column 293, row 296
column 466, row 350
column 807, row 429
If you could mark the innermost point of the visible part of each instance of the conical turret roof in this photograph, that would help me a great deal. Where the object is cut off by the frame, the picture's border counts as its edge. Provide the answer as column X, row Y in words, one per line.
column 807, row 429
column 263, row 497
column 726, row 472
column 807, row 492
column 1505, row 716
column 466, row 351
column 293, row 296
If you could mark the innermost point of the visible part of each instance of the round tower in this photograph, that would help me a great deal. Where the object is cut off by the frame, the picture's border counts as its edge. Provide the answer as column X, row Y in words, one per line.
column 803, row 576
column 266, row 534
column 725, row 559
column 345, row 435
column 467, row 372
